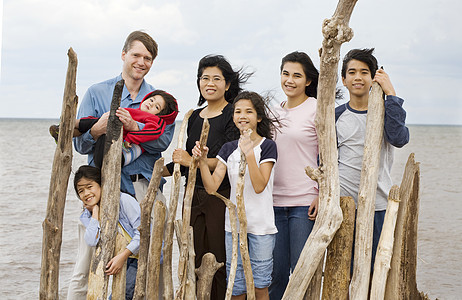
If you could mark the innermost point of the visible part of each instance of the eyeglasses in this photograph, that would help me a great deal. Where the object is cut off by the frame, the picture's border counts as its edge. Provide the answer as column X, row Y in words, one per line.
column 214, row 79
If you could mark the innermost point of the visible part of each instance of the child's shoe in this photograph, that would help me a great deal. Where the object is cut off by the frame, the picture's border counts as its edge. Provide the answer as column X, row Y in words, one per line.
column 54, row 132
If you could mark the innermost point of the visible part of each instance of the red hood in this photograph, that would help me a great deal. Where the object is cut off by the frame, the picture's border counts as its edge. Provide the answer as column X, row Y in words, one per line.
column 170, row 118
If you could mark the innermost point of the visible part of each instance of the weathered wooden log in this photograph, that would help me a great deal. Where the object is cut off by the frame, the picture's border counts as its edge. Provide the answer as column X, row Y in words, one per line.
column 187, row 212
column 338, row 261
column 169, row 227
column 145, row 229
column 110, row 199
column 233, row 222
column 401, row 281
column 61, row 169
column 205, row 273
column 190, row 287
column 178, row 227
column 155, row 251
column 243, row 244
column 367, row 192
column 385, row 247
column 336, row 32
column 119, row 280
column 314, row 288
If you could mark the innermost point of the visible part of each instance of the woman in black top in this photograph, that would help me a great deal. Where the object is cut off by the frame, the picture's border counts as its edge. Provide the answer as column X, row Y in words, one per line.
column 218, row 84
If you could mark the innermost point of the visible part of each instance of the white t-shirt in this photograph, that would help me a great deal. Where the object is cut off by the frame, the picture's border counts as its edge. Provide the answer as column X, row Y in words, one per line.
column 258, row 207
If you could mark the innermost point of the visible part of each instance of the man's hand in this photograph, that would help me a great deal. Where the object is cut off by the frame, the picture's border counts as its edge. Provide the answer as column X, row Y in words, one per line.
column 127, row 121
column 100, row 127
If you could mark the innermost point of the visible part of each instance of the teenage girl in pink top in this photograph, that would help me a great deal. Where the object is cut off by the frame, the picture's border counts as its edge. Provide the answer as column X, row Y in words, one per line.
column 295, row 195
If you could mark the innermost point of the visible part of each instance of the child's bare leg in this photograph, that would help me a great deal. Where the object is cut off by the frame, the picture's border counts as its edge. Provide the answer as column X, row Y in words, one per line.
column 240, row 297
column 261, row 294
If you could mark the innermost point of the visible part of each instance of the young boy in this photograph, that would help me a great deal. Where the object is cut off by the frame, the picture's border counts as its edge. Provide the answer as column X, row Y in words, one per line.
column 87, row 185
column 359, row 70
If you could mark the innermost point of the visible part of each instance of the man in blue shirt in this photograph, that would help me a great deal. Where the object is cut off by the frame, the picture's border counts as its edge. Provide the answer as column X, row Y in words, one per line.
column 138, row 54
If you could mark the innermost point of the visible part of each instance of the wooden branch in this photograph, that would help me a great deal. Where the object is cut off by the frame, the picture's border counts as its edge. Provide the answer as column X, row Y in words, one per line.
column 338, row 261
column 119, row 281
column 205, row 273
column 367, row 192
column 336, row 32
column 61, row 169
column 145, row 229
column 401, row 281
column 110, row 199
column 187, row 212
column 169, row 228
column 190, row 287
column 155, row 250
column 233, row 222
column 314, row 288
column 243, row 230
column 385, row 247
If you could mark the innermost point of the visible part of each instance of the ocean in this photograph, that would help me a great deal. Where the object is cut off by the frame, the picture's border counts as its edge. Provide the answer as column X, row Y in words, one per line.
column 25, row 172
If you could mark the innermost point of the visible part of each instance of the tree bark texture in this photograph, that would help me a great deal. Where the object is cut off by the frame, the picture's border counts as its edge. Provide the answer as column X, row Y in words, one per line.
column 169, row 228
column 336, row 32
column 61, row 169
column 233, row 222
column 338, row 261
column 243, row 244
column 119, row 281
column 110, row 199
column 205, row 273
column 385, row 247
column 401, row 281
column 155, row 250
column 190, row 287
column 314, row 288
column 187, row 213
column 367, row 193
column 145, row 229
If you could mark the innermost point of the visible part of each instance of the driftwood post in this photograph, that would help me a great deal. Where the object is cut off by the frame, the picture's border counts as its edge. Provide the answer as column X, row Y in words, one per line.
column 233, row 222
column 155, row 249
column 187, row 213
column 169, row 227
column 209, row 266
column 401, row 282
column 367, row 192
column 53, row 223
column 385, row 247
column 110, row 199
column 336, row 32
column 190, row 287
column 145, row 229
column 119, row 281
column 314, row 288
column 243, row 230
column 338, row 261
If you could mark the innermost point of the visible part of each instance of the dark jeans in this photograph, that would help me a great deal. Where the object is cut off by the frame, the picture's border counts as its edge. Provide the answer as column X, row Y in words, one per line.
column 294, row 227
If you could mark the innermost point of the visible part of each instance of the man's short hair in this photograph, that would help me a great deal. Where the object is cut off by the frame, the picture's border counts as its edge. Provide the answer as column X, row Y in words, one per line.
column 144, row 38
column 363, row 55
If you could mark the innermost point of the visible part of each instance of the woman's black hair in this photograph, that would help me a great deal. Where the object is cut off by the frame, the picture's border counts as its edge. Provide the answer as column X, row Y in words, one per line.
column 234, row 78
column 88, row 172
column 309, row 69
column 266, row 126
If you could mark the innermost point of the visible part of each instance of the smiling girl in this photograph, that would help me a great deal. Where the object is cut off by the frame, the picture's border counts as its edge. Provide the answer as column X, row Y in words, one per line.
column 295, row 195
column 251, row 118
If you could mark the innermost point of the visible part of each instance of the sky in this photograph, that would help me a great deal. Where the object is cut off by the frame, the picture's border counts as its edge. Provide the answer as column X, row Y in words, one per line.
column 418, row 42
